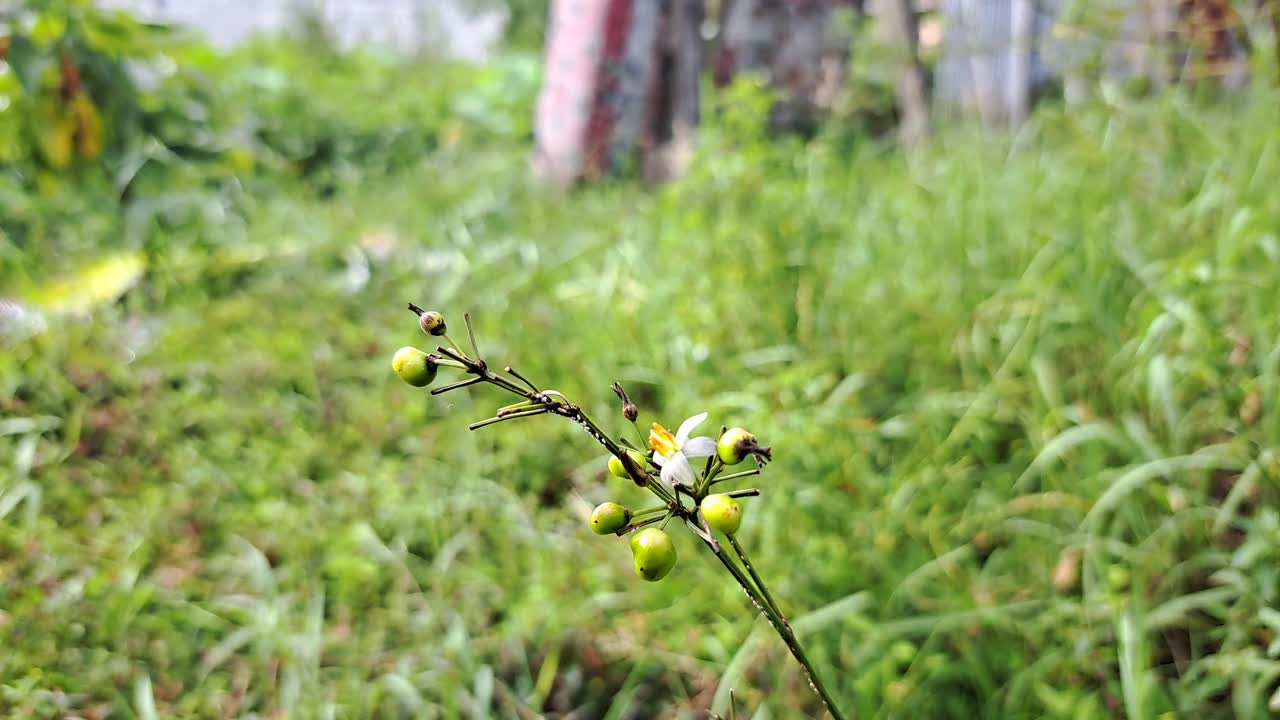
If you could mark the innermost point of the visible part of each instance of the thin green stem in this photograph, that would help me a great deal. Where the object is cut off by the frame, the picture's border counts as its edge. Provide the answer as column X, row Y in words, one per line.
column 504, row 418
column 649, row 511
column 781, row 627
column 454, row 345
column 640, row 434
column 666, row 519
column 764, row 589
column 735, row 476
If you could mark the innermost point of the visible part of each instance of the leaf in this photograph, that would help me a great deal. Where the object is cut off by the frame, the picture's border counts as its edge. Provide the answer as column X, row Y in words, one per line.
column 100, row 284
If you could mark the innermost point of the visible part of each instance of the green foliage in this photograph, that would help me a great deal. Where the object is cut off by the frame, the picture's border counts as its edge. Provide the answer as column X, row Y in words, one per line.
column 1023, row 400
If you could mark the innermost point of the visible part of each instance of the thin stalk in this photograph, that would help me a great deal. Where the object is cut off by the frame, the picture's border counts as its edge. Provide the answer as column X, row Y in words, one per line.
column 638, row 525
column 453, row 345
column 447, row 362
column 512, row 371
column 466, row 317
column 747, row 492
column 455, row 386
column 649, row 511
column 781, row 627
column 735, row 476
column 643, row 440
column 504, row 418
column 764, row 589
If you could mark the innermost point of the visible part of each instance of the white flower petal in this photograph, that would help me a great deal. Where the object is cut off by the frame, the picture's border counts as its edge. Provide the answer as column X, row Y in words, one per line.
column 658, row 459
column 699, row 447
column 687, row 427
column 678, row 471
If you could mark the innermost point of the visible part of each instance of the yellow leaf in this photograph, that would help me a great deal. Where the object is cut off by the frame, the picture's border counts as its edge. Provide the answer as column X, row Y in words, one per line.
column 100, row 284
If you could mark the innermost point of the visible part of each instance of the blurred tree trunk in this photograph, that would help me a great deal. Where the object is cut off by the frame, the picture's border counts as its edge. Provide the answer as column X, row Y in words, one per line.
column 898, row 29
column 604, row 73
column 796, row 45
column 993, row 56
column 676, row 100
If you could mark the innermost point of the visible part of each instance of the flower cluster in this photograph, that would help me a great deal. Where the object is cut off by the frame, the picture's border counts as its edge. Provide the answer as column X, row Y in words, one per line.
column 681, row 471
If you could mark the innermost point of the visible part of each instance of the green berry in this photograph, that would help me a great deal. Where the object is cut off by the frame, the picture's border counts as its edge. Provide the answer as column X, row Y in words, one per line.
column 616, row 468
column 609, row 518
column 737, row 443
column 722, row 513
column 653, row 552
column 414, row 366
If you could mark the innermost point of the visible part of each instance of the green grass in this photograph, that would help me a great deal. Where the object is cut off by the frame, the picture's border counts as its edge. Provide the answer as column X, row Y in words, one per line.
column 1024, row 401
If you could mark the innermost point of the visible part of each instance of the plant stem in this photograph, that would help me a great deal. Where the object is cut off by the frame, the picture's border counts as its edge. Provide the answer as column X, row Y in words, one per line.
column 733, row 476
column 764, row 589
column 780, row 626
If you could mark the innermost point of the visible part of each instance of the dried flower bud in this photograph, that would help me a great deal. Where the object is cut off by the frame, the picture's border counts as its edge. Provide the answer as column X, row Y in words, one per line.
column 617, row 469
column 629, row 409
column 722, row 513
column 609, row 518
column 736, row 444
column 653, row 552
column 414, row 366
column 431, row 322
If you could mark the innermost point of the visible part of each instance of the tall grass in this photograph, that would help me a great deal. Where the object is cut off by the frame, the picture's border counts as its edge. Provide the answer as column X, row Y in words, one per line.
column 1024, row 400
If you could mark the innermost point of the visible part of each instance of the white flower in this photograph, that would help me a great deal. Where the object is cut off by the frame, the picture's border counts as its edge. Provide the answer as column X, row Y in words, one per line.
column 672, row 452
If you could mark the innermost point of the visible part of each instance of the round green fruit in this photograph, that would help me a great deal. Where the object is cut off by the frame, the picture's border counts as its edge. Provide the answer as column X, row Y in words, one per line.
column 654, row 553
column 616, row 468
column 735, row 445
column 413, row 366
column 609, row 518
column 722, row 513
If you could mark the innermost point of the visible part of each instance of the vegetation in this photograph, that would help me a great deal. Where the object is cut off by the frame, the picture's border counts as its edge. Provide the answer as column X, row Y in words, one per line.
column 1023, row 397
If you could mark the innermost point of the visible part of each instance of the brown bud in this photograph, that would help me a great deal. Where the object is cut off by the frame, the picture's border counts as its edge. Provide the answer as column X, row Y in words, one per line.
column 629, row 409
column 431, row 322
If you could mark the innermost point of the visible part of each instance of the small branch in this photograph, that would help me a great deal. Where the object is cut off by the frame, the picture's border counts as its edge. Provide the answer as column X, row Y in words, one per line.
column 781, row 627
column 749, row 492
column 508, row 416
column 638, row 525
column 454, row 386
column 466, row 318
column 764, row 589
column 512, row 372
column 735, row 476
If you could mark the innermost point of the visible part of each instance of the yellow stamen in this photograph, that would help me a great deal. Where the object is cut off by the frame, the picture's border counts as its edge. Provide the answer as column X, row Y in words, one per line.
column 661, row 441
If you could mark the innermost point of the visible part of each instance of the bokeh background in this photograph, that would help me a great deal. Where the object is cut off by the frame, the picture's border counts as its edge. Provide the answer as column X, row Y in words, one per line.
column 1019, row 363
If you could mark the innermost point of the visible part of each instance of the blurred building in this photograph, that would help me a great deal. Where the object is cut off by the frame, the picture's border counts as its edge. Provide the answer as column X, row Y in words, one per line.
column 447, row 27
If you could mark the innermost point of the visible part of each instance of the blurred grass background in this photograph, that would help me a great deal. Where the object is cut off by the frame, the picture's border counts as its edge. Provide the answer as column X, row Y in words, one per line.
column 1023, row 397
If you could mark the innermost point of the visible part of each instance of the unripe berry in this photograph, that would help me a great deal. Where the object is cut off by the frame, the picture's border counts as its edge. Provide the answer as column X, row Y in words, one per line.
column 737, row 443
column 616, row 467
column 609, row 518
column 414, row 366
column 654, row 553
column 722, row 513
